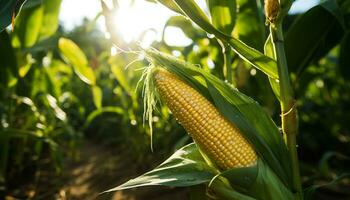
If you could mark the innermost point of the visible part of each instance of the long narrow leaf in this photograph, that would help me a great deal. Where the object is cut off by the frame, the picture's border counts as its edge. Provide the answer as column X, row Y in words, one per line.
column 223, row 14
column 77, row 59
column 185, row 167
column 249, row 54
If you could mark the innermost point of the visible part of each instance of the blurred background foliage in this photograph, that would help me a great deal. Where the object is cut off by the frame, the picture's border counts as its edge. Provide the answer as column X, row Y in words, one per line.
column 61, row 88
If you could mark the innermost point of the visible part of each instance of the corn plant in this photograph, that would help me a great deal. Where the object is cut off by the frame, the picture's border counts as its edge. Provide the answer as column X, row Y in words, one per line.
column 34, row 100
column 238, row 150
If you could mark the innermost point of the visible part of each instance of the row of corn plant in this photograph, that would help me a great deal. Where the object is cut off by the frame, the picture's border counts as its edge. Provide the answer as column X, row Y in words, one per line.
column 39, row 113
column 238, row 151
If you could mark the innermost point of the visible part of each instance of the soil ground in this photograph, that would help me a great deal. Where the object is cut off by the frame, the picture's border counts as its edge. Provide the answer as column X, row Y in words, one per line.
column 100, row 169
column 97, row 169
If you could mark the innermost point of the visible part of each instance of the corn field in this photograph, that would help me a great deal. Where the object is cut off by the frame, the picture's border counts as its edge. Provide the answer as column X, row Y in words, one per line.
column 175, row 99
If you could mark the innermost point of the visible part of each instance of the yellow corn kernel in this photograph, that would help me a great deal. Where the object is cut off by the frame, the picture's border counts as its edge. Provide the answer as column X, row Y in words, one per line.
column 216, row 136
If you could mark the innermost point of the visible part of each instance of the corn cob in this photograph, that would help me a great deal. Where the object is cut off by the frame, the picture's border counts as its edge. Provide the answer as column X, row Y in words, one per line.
column 215, row 135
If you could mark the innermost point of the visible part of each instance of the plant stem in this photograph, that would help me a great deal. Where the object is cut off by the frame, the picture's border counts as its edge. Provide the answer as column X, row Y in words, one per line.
column 288, row 108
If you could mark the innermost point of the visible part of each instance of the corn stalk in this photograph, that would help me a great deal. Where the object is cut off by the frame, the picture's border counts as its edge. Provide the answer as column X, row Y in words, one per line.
column 275, row 12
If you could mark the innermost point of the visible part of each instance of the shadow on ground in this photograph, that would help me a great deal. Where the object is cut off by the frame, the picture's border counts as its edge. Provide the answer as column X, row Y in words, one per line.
column 100, row 169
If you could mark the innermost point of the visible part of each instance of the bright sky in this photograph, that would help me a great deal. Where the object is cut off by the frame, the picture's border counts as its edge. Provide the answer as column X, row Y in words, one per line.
column 132, row 21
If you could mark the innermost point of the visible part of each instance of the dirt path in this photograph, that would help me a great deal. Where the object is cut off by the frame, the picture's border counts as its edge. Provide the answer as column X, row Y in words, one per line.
column 100, row 169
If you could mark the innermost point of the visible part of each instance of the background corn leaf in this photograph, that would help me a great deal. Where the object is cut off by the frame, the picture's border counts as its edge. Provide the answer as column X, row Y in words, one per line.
column 313, row 34
column 77, row 59
column 50, row 18
column 310, row 191
column 119, row 74
column 98, row 112
column 255, row 58
column 28, row 24
column 58, row 112
column 250, row 23
column 223, row 14
column 185, row 167
column 97, row 96
column 323, row 166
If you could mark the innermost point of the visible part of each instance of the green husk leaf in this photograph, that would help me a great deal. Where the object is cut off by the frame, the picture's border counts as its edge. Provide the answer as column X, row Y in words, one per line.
column 268, row 185
column 185, row 167
column 27, row 27
column 245, row 113
column 258, row 181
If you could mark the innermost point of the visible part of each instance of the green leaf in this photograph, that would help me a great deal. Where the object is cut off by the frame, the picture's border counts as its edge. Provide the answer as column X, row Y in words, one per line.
column 242, row 178
column 309, row 192
column 323, row 165
column 50, row 18
column 249, row 54
column 171, row 5
column 59, row 113
column 194, row 12
column 255, row 58
column 223, row 14
column 119, row 74
column 312, row 35
column 198, row 192
column 73, row 54
column 268, row 185
column 269, row 51
column 184, row 24
column 28, row 24
column 250, row 23
column 97, row 96
column 8, row 8
column 109, row 109
column 185, row 167
column 223, row 191
column 258, row 182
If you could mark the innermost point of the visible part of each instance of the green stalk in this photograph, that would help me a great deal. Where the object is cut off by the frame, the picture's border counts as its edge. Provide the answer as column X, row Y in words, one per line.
column 288, row 108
